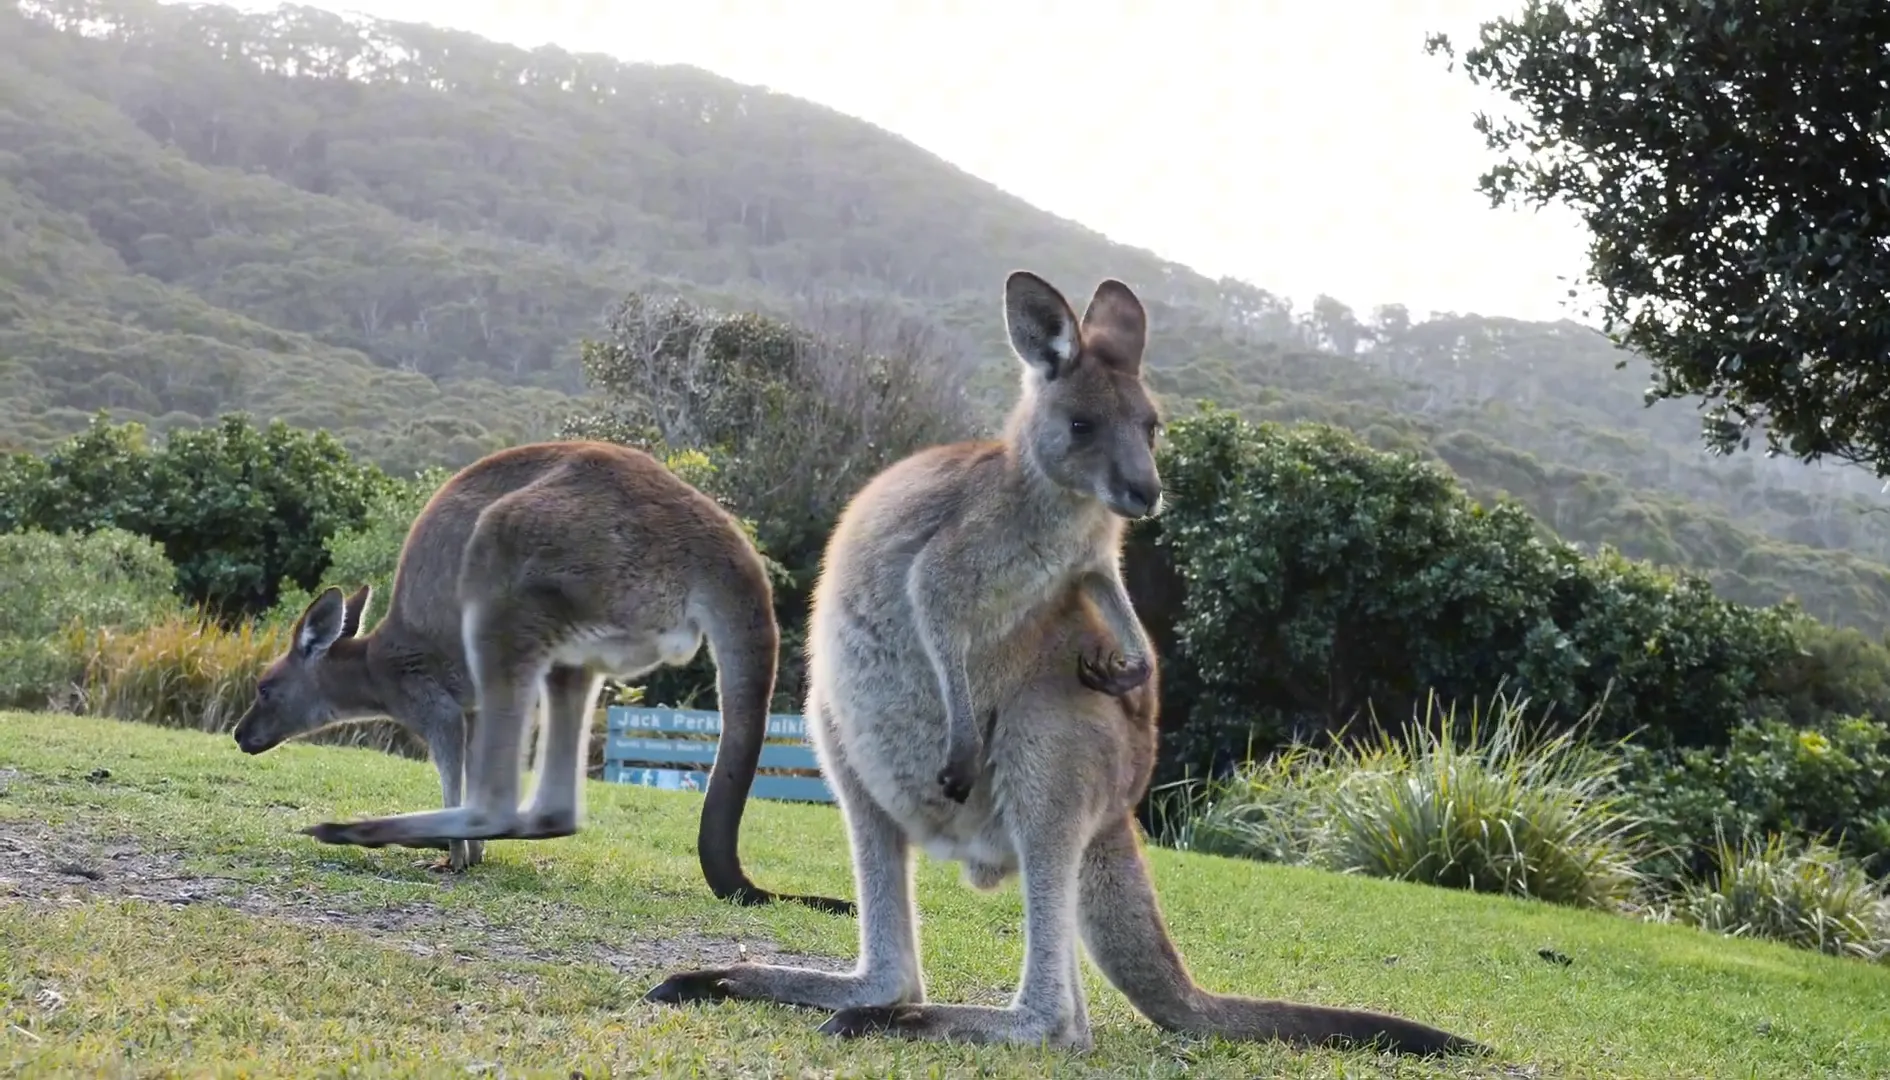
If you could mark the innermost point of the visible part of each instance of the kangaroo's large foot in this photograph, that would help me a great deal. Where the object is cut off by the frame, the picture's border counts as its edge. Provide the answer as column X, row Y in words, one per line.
column 684, row 987
column 545, row 824
column 431, row 828
column 958, row 1023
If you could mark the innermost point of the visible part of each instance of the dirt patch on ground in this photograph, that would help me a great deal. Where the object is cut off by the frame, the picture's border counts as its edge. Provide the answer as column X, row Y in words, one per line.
column 45, row 866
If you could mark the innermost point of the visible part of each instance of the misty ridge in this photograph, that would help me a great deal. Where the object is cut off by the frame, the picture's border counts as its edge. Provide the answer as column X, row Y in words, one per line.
column 404, row 234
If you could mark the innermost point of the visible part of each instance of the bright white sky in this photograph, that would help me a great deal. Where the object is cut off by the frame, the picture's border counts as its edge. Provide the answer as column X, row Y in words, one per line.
column 1303, row 146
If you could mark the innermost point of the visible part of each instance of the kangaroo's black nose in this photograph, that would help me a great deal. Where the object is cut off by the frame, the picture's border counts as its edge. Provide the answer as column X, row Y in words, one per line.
column 1136, row 500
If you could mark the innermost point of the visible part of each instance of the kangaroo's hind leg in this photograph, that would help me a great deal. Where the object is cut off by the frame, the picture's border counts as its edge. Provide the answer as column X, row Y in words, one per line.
column 509, row 673
column 556, row 803
column 887, row 972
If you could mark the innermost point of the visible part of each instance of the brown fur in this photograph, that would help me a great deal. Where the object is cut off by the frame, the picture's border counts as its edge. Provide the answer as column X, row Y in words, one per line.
column 534, row 573
column 1023, row 542
column 956, row 544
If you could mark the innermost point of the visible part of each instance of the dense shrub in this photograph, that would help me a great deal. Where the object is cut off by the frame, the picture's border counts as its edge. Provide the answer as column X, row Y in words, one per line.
column 1829, row 780
column 1837, row 671
column 368, row 553
column 1806, row 895
column 1325, row 582
column 50, row 583
column 1475, row 803
column 237, row 508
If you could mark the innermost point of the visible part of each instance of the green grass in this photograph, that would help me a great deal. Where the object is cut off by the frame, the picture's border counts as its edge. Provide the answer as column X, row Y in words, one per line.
column 296, row 958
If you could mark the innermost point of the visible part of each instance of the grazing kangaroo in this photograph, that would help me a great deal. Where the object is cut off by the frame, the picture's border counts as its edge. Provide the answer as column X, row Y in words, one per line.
column 1065, row 760
column 535, row 573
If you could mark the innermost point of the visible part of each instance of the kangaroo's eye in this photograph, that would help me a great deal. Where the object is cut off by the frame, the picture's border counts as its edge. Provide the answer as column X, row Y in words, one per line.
column 1081, row 428
column 263, row 691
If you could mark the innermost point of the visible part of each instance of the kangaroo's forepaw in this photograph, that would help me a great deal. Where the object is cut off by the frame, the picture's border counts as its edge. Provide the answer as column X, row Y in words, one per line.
column 460, row 856
column 687, row 986
column 955, row 781
column 1113, row 674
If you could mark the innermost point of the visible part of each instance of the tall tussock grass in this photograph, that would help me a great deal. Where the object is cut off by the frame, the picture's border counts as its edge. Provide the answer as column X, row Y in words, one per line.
column 188, row 671
column 1479, row 803
column 1804, row 894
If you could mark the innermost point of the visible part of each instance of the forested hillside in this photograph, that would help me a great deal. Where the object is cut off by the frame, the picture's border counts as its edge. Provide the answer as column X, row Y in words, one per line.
column 402, row 233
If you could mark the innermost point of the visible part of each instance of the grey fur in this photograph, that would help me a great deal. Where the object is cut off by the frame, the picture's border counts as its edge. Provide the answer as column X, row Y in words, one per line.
column 1015, row 542
column 530, row 576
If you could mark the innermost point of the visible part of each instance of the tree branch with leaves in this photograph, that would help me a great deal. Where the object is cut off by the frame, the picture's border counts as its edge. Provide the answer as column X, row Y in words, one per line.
column 1731, row 161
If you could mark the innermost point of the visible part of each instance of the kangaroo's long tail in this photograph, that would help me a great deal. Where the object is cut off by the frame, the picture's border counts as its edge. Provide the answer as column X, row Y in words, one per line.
column 745, row 644
column 1127, row 938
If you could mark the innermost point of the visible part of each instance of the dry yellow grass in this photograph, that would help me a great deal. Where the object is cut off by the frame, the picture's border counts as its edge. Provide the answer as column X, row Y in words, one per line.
column 187, row 671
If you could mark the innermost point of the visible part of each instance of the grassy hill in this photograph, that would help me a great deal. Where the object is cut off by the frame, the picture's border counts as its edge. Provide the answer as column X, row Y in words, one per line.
column 161, row 915
column 401, row 233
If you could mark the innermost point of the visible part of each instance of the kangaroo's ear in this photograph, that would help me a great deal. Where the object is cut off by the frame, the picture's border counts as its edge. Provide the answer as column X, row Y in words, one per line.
column 1042, row 326
column 1115, row 326
column 354, row 610
column 320, row 625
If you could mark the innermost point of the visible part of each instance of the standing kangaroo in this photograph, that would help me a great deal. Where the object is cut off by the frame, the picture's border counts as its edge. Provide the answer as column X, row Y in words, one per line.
column 534, row 573
column 1020, row 523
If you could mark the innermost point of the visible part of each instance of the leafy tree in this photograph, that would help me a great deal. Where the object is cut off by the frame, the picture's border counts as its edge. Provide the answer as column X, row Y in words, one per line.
column 1335, row 327
column 239, row 509
column 1391, row 320
column 795, row 417
column 1728, row 161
